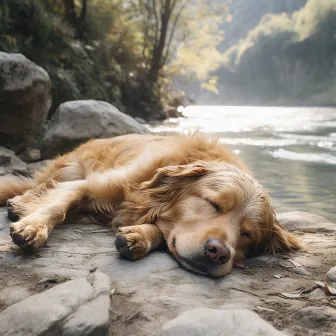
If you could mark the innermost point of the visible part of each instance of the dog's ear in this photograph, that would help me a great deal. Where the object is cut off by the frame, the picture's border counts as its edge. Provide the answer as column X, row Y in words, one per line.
column 280, row 239
column 158, row 194
column 167, row 186
column 176, row 173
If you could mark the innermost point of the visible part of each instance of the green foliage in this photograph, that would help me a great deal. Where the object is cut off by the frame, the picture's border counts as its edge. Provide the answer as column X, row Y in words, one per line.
column 122, row 51
column 77, row 67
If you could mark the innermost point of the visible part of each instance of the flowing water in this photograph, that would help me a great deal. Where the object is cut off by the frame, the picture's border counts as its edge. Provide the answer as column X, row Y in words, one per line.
column 291, row 151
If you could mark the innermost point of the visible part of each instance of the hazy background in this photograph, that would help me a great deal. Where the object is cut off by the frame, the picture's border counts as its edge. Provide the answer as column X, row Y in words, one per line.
column 276, row 52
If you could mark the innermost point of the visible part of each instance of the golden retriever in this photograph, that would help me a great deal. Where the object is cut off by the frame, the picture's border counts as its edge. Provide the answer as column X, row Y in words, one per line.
column 190, row 192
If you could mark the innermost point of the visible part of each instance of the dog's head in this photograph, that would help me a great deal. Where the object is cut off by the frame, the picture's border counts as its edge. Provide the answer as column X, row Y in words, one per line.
column 213, row 215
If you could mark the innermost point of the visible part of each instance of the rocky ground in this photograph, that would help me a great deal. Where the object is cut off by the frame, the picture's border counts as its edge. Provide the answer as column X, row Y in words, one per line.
column 293, row 292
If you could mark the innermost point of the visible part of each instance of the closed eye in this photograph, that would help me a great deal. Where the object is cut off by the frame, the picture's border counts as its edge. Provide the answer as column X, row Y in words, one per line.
column 245, row 235
column 216, row 206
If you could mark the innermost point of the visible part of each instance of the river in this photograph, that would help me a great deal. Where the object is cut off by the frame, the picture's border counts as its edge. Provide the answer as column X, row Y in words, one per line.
column 291, row 151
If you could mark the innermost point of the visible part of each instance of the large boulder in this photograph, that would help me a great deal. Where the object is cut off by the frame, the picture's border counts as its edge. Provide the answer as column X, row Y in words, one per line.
column 212, row 322
column 77, row 307
column 25, row 100
column 78, row 121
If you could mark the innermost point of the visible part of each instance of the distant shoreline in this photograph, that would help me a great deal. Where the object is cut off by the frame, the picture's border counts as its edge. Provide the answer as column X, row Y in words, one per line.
column 270, row 105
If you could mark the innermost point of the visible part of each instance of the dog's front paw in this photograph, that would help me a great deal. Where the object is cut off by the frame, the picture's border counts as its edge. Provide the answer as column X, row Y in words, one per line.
column 131, row 243
column 26, row 234
column 13, row 210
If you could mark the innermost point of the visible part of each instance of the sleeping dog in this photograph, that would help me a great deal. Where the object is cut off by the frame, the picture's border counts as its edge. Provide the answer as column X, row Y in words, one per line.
column 190, row 192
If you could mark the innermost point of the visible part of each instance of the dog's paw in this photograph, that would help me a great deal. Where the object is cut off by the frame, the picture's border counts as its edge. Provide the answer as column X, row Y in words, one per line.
column 131, row 243
column 13, row 211
column 26, row 234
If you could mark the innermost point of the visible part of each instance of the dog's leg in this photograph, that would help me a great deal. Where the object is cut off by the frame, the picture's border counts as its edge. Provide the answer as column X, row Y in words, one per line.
column 134, row 242
column 26, row 203
column 23, row 205
column 34, row 229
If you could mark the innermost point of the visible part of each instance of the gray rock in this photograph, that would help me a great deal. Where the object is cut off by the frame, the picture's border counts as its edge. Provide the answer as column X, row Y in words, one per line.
column 213, row 322
column 90, row 319
column 299, row 220
column 25, row 99
column 100, row 283
column 317, row 317
column 11, row 295
column 70, row 308
column 10, row 163
column 30, row 155
column 332, row 274
column 140, row 120
column 40, row 313
column 78, row 121
column 35, row 166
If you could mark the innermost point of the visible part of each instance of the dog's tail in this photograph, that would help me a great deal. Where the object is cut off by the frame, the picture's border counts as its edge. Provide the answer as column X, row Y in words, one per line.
column 11, row 186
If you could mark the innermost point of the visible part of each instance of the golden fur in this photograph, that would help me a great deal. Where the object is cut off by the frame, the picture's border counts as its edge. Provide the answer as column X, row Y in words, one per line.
column 183, row 190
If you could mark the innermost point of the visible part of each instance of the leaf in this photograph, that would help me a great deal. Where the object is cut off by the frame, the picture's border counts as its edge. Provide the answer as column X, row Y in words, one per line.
column 320, row 284
column 329, row 290
column 259, row 308
column 291, row 295
column 295, row 263
column 55, row 280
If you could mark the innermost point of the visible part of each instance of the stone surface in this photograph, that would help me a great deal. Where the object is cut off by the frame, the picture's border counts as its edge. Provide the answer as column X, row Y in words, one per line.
column 35, row 166
column 70, row 308
column 39, row 313
column 25, row 99
column 151, row 291
column 300, row 220
column 140, row 120
column 332, row 274
column 11, row 295
column 213, row 322
column 91, row 319
column 78, row 121
column 317, row 317
column 10, row 163
column 30, row 155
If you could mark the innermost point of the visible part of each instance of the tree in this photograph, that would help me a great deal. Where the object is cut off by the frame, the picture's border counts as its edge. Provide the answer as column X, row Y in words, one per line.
column 166, row 19
column 71, row 14
column 171, row 24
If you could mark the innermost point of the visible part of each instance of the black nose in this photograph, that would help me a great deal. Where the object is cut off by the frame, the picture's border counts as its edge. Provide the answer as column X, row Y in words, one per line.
column 217, row 252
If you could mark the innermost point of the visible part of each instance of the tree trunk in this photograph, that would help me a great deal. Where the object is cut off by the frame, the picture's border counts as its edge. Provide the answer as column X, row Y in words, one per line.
column 156, row 62
column 70, row 11
column 83, row 11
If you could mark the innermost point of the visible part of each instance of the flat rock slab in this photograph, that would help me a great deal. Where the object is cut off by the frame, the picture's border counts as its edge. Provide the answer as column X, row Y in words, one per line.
column 214, row 322
column 306, row 222
column 154, row 290
column 70, row 308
